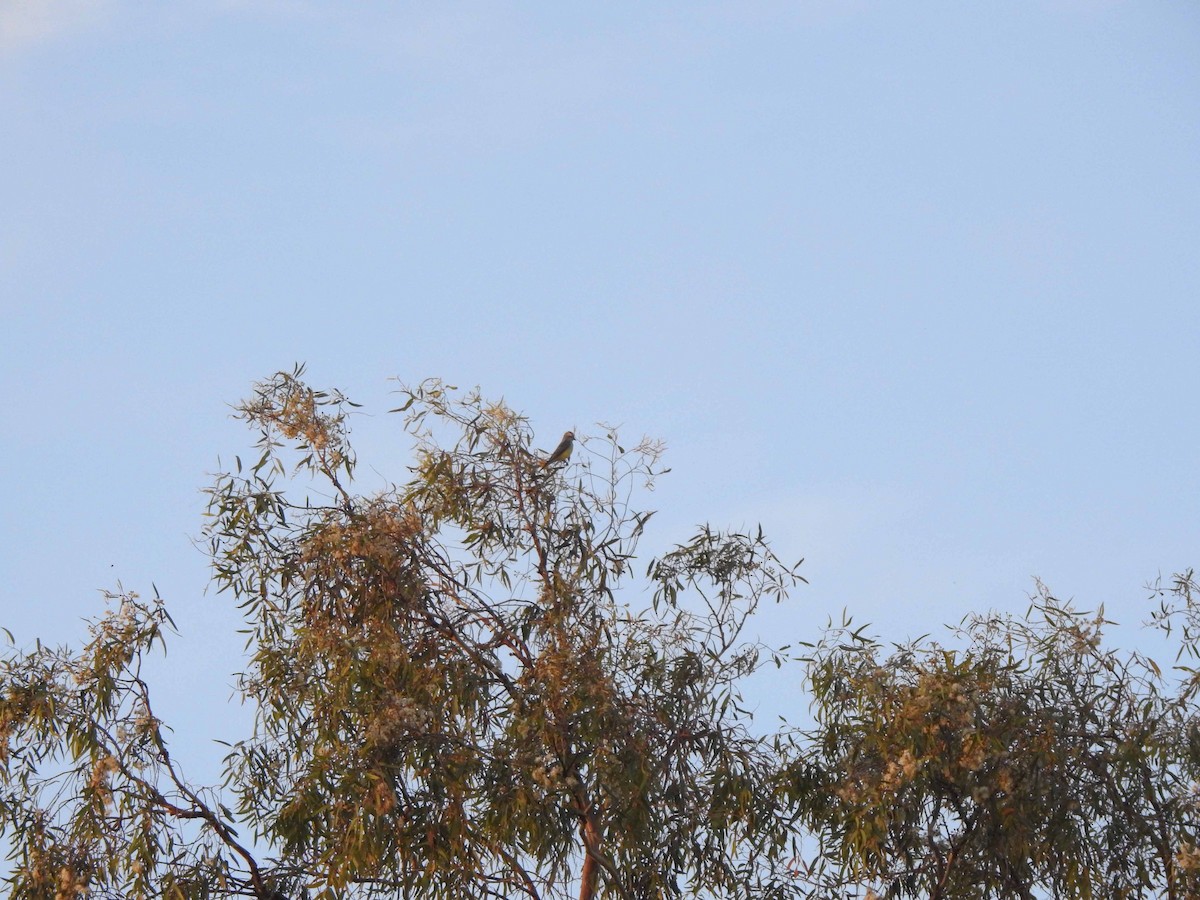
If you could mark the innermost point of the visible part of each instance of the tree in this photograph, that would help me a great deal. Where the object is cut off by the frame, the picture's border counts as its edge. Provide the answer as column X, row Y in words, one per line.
column 1030, row 761
column 464, row 686
column 459, row 691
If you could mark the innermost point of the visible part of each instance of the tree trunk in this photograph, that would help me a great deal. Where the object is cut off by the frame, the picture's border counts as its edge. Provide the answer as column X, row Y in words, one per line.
column 589, row 877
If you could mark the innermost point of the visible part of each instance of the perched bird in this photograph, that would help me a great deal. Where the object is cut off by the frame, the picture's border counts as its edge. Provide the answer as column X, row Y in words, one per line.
column 563, row 451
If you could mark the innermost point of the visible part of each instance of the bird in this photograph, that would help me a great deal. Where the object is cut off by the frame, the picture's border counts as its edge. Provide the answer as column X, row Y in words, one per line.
column 563, row 451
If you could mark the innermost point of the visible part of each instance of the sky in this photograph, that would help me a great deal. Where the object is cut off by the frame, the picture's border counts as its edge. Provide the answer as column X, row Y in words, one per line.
column 916, row 286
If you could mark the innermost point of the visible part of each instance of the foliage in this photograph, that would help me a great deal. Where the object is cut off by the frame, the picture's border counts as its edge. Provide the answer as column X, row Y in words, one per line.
column 1179, row 612
column 89, row 793
column 466, row 687
column 1030, row 763
column 461, row 692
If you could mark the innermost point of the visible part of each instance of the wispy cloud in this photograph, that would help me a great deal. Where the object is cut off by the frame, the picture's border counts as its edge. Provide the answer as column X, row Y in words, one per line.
column 26, row 23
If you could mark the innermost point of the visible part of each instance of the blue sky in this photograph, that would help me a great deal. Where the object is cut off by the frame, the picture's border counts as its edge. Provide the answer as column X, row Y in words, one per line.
column 916, row 286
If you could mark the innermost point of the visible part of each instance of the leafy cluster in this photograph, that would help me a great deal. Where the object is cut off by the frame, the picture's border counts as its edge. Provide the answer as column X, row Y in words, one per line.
column 1032, row 762
column 90, row 797
column 457, row 694
column 466, row 686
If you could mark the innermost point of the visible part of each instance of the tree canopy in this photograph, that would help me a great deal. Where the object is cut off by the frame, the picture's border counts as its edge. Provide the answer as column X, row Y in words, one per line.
column 1031, row 762
column 468, row 684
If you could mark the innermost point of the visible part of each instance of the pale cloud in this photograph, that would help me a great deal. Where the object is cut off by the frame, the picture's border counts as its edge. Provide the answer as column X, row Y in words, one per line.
column 26, row 23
